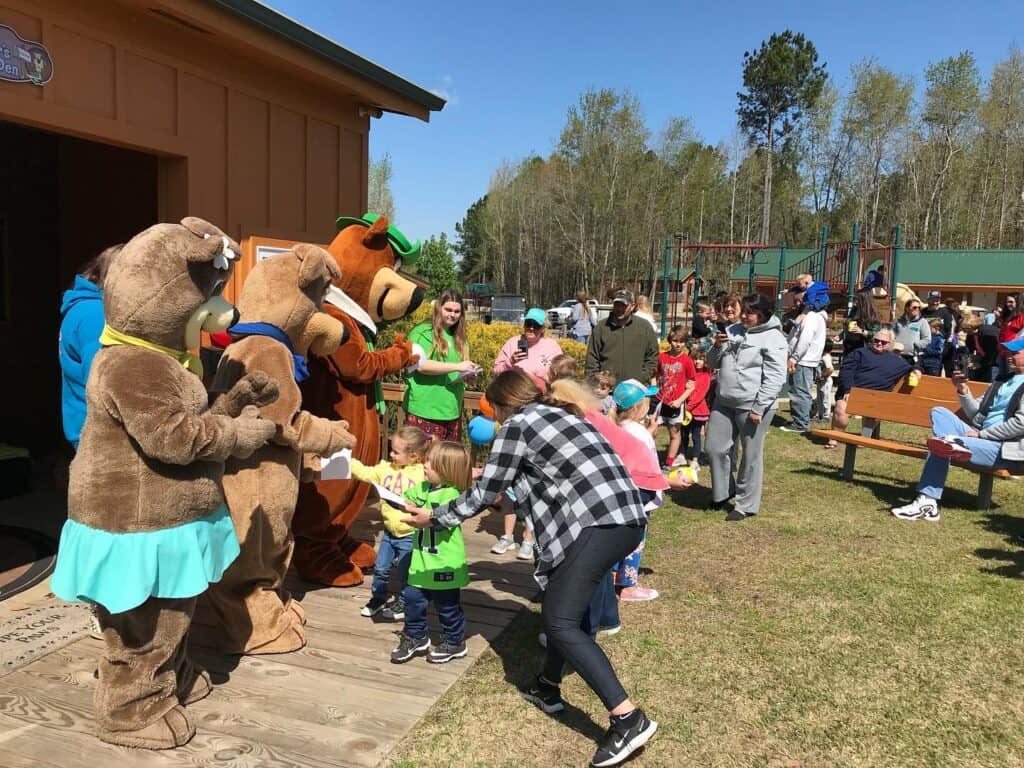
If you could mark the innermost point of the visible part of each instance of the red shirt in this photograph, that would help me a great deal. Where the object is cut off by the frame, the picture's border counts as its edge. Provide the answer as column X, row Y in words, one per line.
column 697, row 404
column 673, row 371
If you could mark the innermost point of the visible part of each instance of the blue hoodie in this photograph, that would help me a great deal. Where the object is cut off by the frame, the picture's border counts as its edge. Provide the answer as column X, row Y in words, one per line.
column 79, row 341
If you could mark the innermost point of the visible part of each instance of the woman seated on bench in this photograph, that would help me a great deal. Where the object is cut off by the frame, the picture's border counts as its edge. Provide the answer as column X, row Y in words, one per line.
column 874, row 366
column 994, row 438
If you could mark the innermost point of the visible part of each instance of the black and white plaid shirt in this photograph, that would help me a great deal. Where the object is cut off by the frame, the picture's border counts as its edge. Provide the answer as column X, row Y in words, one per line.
column 564, row 475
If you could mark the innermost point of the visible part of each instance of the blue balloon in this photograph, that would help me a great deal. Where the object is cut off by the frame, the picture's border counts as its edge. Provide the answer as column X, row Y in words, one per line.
column 482, row 430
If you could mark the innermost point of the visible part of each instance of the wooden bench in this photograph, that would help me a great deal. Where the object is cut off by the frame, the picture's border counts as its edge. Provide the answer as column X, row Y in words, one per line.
column 912, row 406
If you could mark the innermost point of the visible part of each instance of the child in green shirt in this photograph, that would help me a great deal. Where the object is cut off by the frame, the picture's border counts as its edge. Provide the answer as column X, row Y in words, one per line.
column 403, row 471
column 438, row 568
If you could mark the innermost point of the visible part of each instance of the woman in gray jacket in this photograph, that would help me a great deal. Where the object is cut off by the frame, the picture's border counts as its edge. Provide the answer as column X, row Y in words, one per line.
column 751, row 365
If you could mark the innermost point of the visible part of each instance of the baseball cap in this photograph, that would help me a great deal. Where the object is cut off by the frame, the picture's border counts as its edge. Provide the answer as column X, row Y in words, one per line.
column 536, row 314
column 1014, row 345
column 934, row 295
column 625, row 296
column 630, row 392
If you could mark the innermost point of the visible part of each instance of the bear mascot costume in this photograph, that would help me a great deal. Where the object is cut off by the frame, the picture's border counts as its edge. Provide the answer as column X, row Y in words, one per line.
column 249, row 609
column 346, row 384
column 147, row 527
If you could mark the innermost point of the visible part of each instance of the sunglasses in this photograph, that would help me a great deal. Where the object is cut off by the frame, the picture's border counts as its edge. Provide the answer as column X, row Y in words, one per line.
column 880, row 342
column 531, row 325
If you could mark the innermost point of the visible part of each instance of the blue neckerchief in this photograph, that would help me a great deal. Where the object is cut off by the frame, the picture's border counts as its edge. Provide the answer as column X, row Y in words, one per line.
column 266, row 329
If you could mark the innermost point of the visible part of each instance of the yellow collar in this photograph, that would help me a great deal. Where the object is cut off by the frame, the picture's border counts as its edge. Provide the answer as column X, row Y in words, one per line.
column 111, row 337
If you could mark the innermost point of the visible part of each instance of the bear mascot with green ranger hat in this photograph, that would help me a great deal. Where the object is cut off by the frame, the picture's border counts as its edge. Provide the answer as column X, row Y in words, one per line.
column 347, row 385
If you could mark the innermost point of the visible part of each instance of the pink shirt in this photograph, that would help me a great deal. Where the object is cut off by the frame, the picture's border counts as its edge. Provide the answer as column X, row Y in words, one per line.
column 637, row 456
column 538, row 356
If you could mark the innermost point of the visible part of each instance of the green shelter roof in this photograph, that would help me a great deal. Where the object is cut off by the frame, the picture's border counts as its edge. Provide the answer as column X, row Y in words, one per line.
column 965, row 267
column 766, row 262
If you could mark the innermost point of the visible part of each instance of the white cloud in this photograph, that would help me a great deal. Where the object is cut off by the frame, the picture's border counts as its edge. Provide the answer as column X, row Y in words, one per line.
column 446, row 91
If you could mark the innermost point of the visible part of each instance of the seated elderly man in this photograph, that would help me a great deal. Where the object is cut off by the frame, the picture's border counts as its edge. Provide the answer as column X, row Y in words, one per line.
column 874, row 366
column 994, row 438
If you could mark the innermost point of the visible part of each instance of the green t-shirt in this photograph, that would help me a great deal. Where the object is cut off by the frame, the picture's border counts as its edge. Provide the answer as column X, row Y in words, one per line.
column 434, row 397
column 438, row 554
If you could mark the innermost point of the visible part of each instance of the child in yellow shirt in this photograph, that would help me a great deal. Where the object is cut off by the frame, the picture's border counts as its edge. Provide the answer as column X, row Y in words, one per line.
column 401, row 473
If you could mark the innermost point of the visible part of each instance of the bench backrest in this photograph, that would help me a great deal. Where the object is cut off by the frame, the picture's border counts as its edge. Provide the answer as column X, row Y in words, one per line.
column 937, row 388
column 909, row 405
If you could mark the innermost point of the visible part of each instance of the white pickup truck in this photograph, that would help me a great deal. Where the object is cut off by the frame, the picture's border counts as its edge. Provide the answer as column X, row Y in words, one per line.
column 561, row 315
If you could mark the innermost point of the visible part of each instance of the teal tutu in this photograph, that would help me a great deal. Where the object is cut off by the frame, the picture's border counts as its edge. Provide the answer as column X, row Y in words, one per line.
column 120, row 571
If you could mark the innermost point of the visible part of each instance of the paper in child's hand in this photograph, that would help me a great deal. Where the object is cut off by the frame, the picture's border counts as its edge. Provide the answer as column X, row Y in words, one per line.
column 390, row 497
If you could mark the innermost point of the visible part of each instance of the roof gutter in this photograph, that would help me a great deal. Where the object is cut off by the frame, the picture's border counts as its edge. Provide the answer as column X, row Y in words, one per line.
column 283, row 27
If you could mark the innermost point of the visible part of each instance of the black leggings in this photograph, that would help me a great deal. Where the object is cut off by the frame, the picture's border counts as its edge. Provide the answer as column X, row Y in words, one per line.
column 566, row 599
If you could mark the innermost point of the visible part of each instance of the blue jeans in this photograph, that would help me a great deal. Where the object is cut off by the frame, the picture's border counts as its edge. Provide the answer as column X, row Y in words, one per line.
column 984, row 453
column 449, row 611
column 392, row 551
column 603, row 611
column 800, row 399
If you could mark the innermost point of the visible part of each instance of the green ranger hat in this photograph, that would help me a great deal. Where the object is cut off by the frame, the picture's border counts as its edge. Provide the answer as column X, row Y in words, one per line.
column 400, row 244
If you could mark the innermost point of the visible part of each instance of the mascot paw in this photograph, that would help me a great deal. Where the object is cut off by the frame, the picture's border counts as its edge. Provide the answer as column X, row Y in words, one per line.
column 300, row 613
column 251, row 432
column 291, row 640
column 321, row 562
column 174, row 729
column 256, row 388
column 360, row 554
column 341, row 436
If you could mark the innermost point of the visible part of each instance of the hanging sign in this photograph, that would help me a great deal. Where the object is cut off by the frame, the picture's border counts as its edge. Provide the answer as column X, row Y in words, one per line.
column 23, row 61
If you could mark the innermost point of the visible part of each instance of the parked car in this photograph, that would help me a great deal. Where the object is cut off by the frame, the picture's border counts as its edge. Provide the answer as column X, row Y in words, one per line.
column 560, row 315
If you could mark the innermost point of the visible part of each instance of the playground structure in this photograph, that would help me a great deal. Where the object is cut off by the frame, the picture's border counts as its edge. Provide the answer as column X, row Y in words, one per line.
column 841, row 264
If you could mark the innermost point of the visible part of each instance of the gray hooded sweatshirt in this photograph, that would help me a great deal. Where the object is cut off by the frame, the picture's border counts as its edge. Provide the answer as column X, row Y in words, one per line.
column 751, row 366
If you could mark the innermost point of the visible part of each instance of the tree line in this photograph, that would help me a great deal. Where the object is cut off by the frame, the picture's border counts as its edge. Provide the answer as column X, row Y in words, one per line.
column 943, row 158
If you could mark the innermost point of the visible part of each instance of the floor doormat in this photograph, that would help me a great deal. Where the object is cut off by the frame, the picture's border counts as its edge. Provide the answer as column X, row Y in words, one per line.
column 26, row 558
column 35, row 632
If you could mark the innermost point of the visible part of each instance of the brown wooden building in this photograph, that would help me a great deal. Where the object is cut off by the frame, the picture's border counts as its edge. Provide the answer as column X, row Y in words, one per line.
column 152, row 110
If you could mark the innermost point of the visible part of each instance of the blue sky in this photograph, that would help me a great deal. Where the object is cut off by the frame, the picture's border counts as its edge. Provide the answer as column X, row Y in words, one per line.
column 511, row 70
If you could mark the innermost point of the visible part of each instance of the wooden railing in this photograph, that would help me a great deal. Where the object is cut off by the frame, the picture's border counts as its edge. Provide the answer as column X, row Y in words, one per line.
column 394, row 412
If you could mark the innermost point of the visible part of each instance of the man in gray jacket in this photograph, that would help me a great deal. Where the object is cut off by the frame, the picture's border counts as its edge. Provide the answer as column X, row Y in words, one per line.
column 994, row 437
column 751, row 364
column 622, row 344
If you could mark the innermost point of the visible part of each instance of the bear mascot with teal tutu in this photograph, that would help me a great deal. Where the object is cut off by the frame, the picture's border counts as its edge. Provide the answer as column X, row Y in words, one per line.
column 147, row 527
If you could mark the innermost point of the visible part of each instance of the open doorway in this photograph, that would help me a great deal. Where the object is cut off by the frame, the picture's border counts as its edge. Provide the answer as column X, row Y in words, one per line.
column 62, row 200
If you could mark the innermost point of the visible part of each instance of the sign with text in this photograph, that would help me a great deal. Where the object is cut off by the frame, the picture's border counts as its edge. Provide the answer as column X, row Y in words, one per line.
column 23, row 61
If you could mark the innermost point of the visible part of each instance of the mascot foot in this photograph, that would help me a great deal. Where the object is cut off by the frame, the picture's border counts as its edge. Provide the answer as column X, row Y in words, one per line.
column 196, row 689
column 174, row 729
column 293, row 639
column 322, row 562
column 300, row 613
column 361, row 554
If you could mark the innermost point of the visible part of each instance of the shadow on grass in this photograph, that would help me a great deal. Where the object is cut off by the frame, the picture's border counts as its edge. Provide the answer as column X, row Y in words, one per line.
column 522, row 658
column 889, row 490
column 1012, row 531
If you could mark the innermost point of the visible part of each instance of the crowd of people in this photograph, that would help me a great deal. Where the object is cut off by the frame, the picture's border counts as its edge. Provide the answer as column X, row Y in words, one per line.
column 577, row 461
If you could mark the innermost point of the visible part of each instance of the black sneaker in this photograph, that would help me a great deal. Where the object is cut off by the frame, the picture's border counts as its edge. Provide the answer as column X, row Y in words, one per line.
column 718, row 506
column 734, row 515
column 445, row 652
column 409, row 647
column 394, row 611
column 544, row 695
column 372, row 608
column 621, row 740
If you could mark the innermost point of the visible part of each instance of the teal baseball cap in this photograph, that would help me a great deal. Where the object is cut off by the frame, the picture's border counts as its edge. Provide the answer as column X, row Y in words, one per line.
column 400, row 244
column 630, row 392
column 537, row 315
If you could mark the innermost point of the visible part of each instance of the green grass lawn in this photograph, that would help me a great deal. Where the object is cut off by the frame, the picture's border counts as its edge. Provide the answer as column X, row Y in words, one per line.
column 823, row 632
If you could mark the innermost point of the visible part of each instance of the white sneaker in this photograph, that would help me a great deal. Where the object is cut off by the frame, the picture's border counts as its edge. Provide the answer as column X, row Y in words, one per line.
column 503, row 545
column 921, row 508
column 525, row 551
column 680, row 461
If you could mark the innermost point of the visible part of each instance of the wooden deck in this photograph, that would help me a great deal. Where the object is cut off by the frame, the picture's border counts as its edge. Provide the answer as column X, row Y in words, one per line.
column 337, row 702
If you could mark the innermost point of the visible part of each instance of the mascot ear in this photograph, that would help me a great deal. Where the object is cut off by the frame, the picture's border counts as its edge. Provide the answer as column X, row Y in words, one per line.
column 377, row 233
column 315, row 264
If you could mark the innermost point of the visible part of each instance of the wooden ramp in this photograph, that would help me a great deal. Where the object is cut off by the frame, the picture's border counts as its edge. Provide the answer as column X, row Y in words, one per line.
column 337, row 702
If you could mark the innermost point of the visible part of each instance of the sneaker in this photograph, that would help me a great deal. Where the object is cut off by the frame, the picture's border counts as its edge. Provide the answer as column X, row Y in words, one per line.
column 610, row 630
column 637, row 594
column 695, row 465
column 372, row 608
column 525, row 551
column 409, row 647
column 679, row 462
column 921, row 508
column 394, row 611
column 951, row 448
column 445, row 652
column 547, row 697
column 621, row 740
column 503, row 545
column 718, row 506
column 794, row 430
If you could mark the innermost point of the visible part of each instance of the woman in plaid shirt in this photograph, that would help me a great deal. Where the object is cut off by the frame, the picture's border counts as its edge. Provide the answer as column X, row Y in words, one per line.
column 587, row 515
